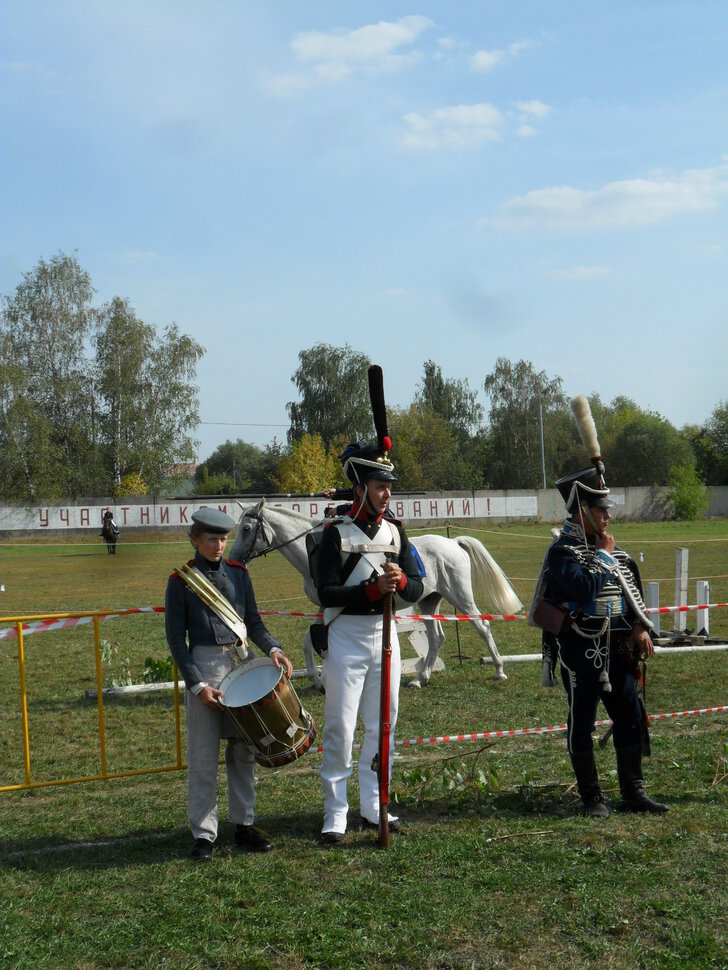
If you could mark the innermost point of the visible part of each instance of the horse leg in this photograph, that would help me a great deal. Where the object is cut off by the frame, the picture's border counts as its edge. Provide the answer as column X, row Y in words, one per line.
column 311, row 668
column 483, row 628
column 435, row 639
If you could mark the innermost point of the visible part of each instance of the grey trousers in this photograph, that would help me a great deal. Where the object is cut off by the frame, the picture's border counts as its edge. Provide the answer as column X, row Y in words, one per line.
column 205, row 729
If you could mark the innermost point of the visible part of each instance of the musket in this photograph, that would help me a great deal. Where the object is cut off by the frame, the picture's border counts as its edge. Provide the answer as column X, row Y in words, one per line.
column 385, row 725
column 381, row 760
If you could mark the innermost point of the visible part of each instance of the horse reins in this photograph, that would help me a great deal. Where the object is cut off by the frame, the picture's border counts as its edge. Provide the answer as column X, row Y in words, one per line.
column 259, row 527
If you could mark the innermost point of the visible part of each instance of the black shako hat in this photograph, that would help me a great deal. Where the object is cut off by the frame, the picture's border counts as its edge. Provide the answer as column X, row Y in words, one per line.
column 213, row 521
column 585, row 487
column 362, row 462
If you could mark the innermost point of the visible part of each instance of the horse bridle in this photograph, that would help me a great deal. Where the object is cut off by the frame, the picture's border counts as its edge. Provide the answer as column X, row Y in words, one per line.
column 269, row 547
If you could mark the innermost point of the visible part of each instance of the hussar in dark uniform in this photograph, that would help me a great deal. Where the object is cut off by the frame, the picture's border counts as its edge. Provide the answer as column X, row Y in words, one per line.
column 605, row 633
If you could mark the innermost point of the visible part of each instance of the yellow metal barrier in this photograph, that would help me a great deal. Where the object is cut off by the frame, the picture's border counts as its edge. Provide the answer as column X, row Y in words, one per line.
column 104, row 774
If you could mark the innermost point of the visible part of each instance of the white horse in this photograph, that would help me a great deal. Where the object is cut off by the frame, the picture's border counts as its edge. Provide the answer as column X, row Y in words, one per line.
column 451, row 566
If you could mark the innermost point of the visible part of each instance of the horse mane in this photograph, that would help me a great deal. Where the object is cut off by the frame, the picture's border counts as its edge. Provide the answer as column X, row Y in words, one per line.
column 284, row 510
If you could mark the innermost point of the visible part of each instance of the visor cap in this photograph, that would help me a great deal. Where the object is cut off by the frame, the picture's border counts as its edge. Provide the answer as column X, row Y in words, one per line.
column 213, row 521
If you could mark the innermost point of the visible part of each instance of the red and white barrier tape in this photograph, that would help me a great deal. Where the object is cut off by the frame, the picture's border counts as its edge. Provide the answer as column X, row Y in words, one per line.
column 519, row 732
column 42, row 626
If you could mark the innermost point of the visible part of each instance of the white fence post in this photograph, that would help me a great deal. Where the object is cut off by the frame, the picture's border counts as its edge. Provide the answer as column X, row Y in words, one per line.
column 702, row 623
column 681, row 588
column 653, row 603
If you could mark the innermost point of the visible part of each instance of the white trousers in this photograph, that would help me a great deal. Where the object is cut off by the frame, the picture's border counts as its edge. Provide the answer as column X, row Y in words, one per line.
column 352, row 677
column 205, row 729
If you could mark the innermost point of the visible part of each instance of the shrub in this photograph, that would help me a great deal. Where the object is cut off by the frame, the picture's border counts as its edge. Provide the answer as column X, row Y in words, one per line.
column 687, row 496
column 132, row 484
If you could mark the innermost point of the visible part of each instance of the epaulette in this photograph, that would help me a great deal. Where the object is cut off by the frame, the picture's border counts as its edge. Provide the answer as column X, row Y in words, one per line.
column 240, row 565
column 175, row 575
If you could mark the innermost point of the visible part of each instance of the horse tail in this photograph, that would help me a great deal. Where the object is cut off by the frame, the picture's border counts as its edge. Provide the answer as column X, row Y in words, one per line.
column 489, row 578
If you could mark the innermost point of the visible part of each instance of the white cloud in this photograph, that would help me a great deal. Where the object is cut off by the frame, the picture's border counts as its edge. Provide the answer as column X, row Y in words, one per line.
column 623, row 204
column 710, row 250
column 530, row 111
column 290, row 85
column 372, row 47
column 28, row 68
column 483, row 61
column 458, row 126
column 581, row 273
column 487, row 60
column 533, row 109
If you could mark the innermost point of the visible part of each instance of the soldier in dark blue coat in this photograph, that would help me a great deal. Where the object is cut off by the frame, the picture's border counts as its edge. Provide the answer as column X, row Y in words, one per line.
column 606, row 634
column 204, row 649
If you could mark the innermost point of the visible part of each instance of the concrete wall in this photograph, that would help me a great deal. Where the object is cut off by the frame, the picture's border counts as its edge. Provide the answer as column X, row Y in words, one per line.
column 146, row 514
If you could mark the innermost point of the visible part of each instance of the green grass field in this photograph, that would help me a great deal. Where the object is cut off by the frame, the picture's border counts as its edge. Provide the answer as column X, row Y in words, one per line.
column 494, row 867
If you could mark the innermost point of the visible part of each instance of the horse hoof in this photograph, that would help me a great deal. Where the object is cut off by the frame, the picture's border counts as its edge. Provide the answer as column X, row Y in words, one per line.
column 414, row 683
column 501, row 675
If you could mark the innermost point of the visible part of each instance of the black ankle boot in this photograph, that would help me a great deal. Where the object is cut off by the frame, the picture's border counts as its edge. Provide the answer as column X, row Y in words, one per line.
column 629, row 771
column 587, row 780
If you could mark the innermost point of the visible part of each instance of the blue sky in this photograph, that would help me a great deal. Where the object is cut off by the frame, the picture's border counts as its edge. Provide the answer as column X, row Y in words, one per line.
column 454, row 181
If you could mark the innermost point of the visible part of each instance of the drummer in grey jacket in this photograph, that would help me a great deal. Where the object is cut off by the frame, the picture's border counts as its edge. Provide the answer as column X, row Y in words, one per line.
column 204, row 649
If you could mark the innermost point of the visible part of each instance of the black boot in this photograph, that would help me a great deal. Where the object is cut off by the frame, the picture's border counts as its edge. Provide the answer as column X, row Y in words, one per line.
column 629, row 770
column 587, row 781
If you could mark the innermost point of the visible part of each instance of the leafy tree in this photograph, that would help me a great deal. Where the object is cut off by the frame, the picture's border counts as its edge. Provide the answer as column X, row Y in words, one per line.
column 646, row 450
column 451, row 399
column 218, row 483
column 123, row 344
column 173, row 406
column 32, row 463
column 88, row 396
column 147, row 406
column 334, row 389
column 427, row 454
column 710, row 445
column 524, row 401
column 45, row 415
column 310, row 466
column 248, row 467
